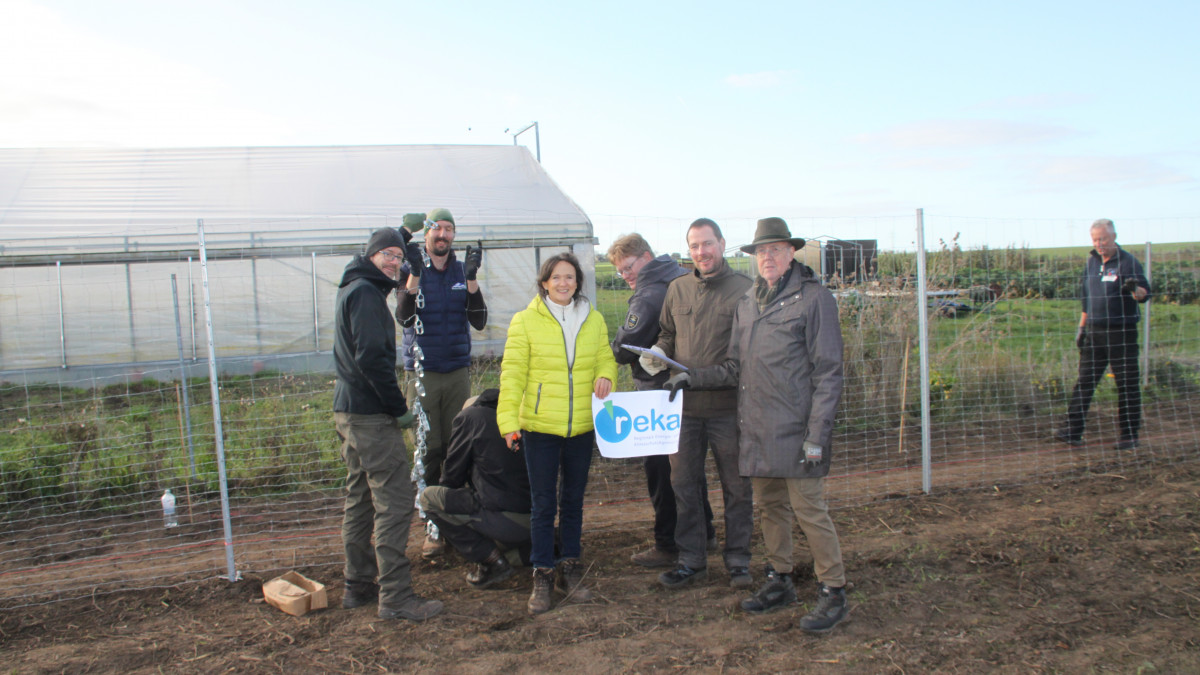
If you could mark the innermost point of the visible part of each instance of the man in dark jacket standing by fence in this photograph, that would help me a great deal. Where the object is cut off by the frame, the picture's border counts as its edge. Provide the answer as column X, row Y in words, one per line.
column 649, row 276
column 483, row 502
column 366, row 403
column 785, row 356
column 1113, row 285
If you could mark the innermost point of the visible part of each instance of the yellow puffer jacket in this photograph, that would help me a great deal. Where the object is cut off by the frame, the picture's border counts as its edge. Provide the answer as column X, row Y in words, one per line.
column 537, row 391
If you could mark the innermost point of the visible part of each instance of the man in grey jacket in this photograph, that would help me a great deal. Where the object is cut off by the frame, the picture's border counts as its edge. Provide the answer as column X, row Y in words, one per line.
column 695, row 322
column 786, row 358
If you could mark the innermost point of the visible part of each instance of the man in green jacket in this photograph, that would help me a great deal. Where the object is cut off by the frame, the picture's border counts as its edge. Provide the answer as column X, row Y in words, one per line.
column 695, row 321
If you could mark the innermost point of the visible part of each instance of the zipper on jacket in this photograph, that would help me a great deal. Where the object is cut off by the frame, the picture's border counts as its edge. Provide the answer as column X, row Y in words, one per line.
column 538, row 401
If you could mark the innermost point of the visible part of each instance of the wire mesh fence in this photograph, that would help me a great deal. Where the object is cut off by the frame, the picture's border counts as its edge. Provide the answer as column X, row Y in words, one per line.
column 87, row 451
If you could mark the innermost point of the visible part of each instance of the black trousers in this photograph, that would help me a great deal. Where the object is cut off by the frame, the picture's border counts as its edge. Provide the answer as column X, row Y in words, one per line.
column 1115, row 348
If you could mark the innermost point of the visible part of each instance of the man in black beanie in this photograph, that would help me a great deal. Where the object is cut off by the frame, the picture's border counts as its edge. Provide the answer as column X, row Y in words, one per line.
column 366, row 403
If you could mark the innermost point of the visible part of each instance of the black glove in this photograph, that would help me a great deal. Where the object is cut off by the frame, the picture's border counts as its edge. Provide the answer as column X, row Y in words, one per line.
column 675, row 383
column 474, row 259
column 1081, row 337
column 1130, row 286
column 412, row 253
column 813, row 454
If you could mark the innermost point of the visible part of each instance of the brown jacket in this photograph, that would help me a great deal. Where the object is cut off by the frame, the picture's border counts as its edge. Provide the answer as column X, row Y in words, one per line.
column 695, row 323
column 787, row 362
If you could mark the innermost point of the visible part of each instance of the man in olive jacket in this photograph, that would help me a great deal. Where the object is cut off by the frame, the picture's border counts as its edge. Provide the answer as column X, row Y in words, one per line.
column 695, row 322
column 786, row 358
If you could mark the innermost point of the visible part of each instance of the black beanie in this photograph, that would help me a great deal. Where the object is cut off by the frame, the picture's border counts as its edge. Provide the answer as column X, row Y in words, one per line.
column 382, row 238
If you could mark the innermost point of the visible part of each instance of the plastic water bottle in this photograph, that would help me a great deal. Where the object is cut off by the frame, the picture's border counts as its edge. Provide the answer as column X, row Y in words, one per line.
column 168, row 504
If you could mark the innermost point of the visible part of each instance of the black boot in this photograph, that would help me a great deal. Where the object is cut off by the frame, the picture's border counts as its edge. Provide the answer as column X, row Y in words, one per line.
column 491, row 571
column 777, row 592
column 571, row 580
column 359, row 593
column 830, row 609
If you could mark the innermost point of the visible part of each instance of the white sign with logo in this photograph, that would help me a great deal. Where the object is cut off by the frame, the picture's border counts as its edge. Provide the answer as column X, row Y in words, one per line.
column 637, row 423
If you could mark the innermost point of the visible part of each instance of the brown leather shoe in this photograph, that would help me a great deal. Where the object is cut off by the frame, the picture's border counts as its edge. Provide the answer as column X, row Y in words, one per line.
column 543, row 586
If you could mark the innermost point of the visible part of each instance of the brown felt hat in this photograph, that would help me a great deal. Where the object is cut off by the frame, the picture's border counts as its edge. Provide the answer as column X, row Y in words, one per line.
column 771, row 230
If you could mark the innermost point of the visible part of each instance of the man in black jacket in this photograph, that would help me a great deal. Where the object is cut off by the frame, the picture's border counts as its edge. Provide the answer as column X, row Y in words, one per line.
column 648, row 276
column 483, row 502
column 366, row 403
column 1113, row 286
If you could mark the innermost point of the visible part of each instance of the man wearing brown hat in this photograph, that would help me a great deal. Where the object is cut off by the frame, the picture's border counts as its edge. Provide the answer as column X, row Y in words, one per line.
column 695, row 322
column 785, row 355
column 366, row 403
column 439, row 305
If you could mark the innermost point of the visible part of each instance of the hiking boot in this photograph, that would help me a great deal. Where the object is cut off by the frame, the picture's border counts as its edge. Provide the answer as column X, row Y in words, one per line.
column 777, row 592
column 1064, row 436
column 415, row 608
column 491, row 571
column 570, row 581
column 433, row 548
column 682, row 575
column 543, row 583
column 739, row 577
column 830, row 609
column 359, row 593
column 1127, row 444
column 654, row 557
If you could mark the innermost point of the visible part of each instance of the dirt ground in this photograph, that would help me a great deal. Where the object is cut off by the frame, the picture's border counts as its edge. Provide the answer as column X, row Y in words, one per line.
column 1099, row 574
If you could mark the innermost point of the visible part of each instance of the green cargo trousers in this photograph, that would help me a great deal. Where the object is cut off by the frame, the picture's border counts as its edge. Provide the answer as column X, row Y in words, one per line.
column 379, row 501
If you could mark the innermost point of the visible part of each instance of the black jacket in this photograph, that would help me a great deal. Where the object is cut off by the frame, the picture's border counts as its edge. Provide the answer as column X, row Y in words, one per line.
column 478, row 457
column 364, row 343
column 641, row 321
column 1107, row 303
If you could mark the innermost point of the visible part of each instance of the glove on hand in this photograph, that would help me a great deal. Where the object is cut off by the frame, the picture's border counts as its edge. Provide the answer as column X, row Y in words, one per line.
column 1130, row 286
column 413, row 222
column 1081, row 338
column 813, row 454
column 407, row 419
column 412, row 254
column 474, row 259
column 675, row 383
column 651, row 365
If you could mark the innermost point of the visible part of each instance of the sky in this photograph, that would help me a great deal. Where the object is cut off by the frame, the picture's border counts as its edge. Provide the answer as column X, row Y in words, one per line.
column 1014, row 123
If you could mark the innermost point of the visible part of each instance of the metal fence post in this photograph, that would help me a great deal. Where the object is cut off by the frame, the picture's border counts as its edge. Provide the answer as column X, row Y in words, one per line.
column 218, row 439
column 1146, row 327
column 62, row 324
column 191, row 307
column 923, row 337
column 316, row 315
column 183, row 380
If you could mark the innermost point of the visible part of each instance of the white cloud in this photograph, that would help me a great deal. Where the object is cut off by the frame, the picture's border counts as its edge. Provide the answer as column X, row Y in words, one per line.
column 1112, row 172
column 770, row 78
column 965, row 133
column 77, row 88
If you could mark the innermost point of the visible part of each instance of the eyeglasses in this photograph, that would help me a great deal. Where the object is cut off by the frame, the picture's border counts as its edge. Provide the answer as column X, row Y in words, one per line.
column 773, row 251
column 390, row 256
column 625, row 271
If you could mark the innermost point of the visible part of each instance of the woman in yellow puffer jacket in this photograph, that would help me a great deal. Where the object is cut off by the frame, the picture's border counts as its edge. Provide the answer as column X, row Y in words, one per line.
column 556, row 356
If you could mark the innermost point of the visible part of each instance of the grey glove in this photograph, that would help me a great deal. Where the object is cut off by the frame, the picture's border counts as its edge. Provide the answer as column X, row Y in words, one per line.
column 675, row 383
column 1081, row 337
column 407, row 419
column 474, row 259
column 651, row 365
column 813, row 454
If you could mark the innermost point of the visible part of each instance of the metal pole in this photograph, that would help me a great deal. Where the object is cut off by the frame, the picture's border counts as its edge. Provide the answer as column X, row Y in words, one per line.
column 923, row 337
column 62, row 324
column 537, row 140
column 1146, row 328
column 129, row 303
column 183, row 380
column 191, row 307
column 316, row 315
column 218, row 439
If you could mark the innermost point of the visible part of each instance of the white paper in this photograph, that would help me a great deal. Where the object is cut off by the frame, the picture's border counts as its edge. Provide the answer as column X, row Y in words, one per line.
column 637, row 423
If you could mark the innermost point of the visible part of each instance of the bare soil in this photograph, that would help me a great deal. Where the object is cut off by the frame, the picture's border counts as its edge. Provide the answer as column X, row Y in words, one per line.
column 1098, row 574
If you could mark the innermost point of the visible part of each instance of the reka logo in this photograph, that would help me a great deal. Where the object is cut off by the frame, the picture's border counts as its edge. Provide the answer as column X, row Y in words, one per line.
column 614, row 423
